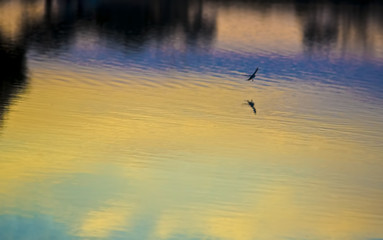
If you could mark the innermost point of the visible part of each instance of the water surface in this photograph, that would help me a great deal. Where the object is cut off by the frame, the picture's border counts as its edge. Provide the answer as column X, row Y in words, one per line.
column 130, row 120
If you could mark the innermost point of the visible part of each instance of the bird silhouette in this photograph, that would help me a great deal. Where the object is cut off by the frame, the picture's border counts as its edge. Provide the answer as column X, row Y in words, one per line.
column 251, row 104
column 252, row 76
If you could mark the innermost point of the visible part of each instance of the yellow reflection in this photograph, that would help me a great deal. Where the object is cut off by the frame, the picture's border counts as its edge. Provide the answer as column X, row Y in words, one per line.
column 249, row 29
column 275, row 216
column 190, row 163
column 101, row 223
column 14, row 15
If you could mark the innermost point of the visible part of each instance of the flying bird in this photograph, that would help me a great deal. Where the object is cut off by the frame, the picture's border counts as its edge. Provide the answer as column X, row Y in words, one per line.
column 251, row 104
column 252, row 76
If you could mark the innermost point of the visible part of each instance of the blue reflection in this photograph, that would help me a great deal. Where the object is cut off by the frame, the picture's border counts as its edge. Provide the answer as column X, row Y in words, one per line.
column 35, row 227
column 354, row 73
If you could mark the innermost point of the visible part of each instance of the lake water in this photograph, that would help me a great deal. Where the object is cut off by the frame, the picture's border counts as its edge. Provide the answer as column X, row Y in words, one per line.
column 132, row 119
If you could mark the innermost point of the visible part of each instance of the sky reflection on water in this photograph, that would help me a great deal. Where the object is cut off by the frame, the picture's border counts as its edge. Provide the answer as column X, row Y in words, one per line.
column 127, row 119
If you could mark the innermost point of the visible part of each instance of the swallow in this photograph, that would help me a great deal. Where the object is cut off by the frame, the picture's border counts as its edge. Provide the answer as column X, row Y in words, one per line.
column 252, row 76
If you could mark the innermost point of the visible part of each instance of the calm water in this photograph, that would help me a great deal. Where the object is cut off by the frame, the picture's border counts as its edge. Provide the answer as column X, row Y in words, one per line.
column 130, row 119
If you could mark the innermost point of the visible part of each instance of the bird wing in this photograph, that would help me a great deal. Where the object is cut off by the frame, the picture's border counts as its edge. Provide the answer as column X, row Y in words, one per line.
column 256, row 70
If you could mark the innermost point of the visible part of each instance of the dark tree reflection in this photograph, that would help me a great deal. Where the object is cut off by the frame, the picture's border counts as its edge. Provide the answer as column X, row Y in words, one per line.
column 326, row 24
column 13, row 74
column 131, row 23
column 320, row 26
column 128, row 23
